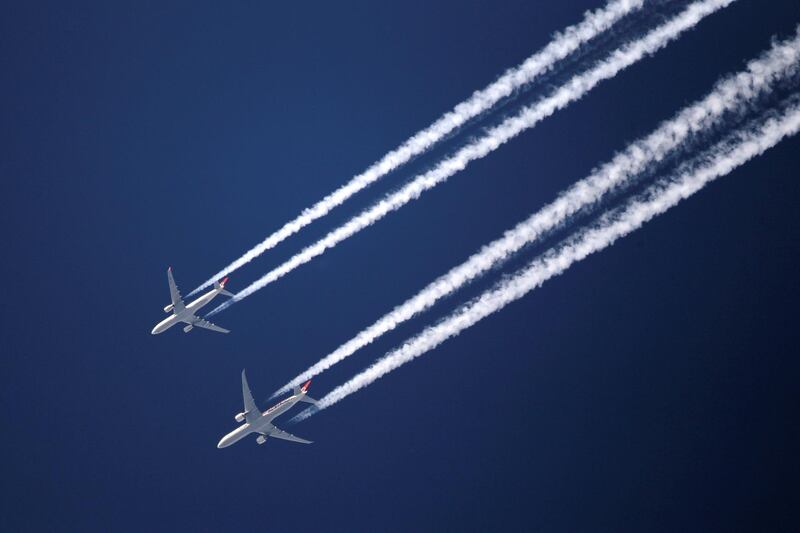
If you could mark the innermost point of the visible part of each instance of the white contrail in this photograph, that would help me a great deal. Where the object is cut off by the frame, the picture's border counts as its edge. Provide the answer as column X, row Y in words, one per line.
column 573, row 90
column 717, row 162
column 729, row 94
column 562, row 45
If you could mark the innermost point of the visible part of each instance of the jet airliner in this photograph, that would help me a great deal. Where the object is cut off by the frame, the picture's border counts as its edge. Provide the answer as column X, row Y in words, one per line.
column 187, row 313
column 257, row 422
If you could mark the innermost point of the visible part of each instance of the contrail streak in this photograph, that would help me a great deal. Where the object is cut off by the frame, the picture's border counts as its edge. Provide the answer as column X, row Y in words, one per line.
column 731, row 93
column 717, row 162
column 562, row 45
column 531, row 115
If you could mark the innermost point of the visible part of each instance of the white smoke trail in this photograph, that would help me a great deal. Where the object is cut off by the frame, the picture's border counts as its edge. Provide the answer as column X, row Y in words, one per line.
column 531, row 115
column 718, row 162
column 729, row 94
column 562, row 45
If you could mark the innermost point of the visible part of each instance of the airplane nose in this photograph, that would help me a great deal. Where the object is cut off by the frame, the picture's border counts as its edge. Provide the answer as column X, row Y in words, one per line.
column 155, row 331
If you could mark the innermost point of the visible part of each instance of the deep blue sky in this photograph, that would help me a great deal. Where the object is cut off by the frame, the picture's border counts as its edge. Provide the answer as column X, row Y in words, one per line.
column 651, row 388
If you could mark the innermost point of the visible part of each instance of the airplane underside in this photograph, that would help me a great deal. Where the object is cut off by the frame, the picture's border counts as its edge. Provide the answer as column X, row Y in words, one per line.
column 186, row 313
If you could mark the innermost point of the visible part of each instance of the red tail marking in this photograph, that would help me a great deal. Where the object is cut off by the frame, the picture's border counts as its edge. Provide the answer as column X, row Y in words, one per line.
column 305, row 385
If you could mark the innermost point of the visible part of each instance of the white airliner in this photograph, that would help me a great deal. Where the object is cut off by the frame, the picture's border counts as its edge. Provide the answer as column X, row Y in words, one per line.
column 257, row 422
column 187, row 313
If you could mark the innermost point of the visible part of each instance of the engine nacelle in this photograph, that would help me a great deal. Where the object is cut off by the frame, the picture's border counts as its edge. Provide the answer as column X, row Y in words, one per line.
column 168, row 308
column 188, row 328
column 239, row 418
column 261, row 439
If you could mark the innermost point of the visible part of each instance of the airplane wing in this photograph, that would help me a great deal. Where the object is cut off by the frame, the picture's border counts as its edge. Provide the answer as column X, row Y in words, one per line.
column 251, row 412
column 202, row 323
column 281, row 434
column 174, row 293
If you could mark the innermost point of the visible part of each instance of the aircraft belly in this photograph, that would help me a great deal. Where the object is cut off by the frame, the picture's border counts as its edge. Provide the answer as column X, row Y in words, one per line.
column 260, row 425
column 282, row 409
column 200, row 302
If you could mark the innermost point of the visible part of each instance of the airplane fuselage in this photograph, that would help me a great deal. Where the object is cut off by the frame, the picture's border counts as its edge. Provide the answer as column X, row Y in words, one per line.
column 238, row 434
column 186, row 314
column 260, row 424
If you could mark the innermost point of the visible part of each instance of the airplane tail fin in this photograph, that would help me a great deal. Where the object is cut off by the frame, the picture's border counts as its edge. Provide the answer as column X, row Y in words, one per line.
column 220, row 286
column 302, row 391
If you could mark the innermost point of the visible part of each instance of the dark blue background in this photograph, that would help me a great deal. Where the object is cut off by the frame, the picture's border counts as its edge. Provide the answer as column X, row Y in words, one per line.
column 653, row 387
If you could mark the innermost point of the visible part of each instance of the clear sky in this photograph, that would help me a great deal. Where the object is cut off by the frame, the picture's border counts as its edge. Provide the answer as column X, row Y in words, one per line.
column 653, row 387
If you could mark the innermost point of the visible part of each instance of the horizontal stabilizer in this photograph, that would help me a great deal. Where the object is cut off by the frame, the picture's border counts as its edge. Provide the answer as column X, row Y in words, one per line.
column 220, row 286
column 308, row 399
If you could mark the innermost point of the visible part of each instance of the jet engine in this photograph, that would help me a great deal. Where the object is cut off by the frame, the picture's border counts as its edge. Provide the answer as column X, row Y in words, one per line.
column 261, row 439
column 168, row 308
column 188, row 328
column 239, row 418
